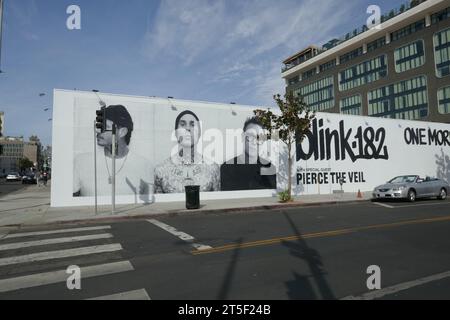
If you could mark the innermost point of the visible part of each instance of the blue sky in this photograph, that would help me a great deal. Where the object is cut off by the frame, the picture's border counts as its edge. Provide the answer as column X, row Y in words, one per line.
column 213, row 50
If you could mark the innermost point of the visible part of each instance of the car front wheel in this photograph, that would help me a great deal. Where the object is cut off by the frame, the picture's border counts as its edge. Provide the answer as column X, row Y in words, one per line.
column 442, row 194
column 411, row 196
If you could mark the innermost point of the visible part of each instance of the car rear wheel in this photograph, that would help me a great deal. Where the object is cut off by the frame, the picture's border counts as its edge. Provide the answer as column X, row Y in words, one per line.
column 411, row 196
column 442, row 194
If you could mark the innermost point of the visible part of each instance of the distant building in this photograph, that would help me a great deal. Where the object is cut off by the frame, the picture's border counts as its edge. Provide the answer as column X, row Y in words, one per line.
column 2, row 123
column 400, row 70
column 12, row 149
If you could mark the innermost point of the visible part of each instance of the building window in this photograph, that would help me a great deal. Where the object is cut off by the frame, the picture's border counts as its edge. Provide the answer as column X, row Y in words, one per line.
column 319, row 95
column 363, row 73
column 371, row 46
column 293, row 80
column 406, row 31
column 351, row 105
column 409, row 57
column 308, row 74
column 403, row 100
column 444, row 100
column 440, row 16
column 328, row 65
column 442, row 52
column 351, row 55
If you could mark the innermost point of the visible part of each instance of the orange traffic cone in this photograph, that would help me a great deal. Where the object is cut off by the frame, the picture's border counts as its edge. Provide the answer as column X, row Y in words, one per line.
column 359, row 194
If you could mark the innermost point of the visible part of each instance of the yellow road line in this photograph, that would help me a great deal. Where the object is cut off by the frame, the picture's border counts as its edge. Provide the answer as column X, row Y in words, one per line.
column 331, row 233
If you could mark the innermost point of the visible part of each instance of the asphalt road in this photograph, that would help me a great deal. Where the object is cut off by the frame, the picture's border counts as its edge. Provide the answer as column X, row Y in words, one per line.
column 305, row 253
column 9, row 187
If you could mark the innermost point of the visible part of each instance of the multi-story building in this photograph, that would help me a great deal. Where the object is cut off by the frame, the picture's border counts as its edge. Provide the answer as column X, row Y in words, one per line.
column 2, row 123
column 13, row 149
column 399, row 70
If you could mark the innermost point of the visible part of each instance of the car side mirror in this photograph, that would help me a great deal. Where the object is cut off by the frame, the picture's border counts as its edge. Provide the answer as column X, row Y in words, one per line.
column 419, row 180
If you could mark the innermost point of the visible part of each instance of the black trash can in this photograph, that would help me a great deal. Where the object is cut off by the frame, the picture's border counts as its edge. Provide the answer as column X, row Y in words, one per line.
column 192, row 197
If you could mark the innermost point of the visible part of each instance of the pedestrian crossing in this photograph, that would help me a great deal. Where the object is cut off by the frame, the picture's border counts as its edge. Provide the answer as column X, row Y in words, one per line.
column 34, row 260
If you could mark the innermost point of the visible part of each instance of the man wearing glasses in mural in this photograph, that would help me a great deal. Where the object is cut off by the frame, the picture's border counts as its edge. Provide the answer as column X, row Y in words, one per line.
column 249, row 171
column 132, row 175
column 187, row 166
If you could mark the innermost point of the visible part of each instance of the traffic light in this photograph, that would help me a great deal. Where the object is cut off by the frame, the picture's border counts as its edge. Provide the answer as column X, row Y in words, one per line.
column 100, row 120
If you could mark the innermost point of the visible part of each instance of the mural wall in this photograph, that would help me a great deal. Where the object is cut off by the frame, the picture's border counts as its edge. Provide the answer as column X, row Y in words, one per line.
column 166, row 144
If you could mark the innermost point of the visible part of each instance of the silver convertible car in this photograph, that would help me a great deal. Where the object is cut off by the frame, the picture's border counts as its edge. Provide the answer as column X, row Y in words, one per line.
column 411, row 188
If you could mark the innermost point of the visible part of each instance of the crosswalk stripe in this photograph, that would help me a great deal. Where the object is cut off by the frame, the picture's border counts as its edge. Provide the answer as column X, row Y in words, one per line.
column 140, row 294
column 41, row 279
column 42, row 233
column 59, row 254
column 20, row 245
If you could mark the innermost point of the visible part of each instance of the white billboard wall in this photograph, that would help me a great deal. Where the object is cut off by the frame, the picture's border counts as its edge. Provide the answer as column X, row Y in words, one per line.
column 361, row 151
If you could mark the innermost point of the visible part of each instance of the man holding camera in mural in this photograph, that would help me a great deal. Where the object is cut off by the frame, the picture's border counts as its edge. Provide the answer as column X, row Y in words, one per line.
column 249, row 171
column 132, row 174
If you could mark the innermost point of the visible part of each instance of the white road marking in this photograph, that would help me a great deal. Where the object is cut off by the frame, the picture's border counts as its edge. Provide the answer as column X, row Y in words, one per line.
column 201, row 247
column 20, row 245
column 59, row 254
column 41, row 279
column 384, row 205
column 181, row 235
column 400, row 287
column 130, row 295
column 31, row 234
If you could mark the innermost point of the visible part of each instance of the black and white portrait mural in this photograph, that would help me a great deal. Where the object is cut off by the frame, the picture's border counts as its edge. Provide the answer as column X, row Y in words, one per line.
column 165, row 145
column 249, row 171
column 131, row 176
column 188, row 166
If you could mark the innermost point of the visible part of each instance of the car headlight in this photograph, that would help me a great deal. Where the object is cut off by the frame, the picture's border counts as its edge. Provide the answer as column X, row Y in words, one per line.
column 399, row 188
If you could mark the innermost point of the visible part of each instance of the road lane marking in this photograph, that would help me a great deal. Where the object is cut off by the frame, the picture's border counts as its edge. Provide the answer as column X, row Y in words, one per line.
column 21, row 245
column 60, row 254
column 41, row 279
column 384, row 205
column 181, row 235
column 400, row 287
column 324, row 234
column 140, row 294
column 31, row 234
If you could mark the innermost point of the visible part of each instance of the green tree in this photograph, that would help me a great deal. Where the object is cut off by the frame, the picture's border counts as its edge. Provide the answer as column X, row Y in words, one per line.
column 25, row 163
column 290, row 127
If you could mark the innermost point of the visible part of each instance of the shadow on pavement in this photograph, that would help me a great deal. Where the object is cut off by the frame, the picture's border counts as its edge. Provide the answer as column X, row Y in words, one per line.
column 225, row 289
column 300, row 287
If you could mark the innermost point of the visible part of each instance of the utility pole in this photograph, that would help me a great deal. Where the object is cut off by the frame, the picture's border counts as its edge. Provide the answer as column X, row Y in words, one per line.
column 95, row 167
column 114, row 130
column 1, row 31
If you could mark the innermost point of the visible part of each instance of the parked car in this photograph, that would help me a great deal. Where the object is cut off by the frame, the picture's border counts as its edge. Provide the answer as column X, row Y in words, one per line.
column 29, row 179
column 13, row 176
column 411, row 188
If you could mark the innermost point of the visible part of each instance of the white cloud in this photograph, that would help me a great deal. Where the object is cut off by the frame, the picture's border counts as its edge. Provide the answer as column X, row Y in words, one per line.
column 186, row 29
column 242, row 41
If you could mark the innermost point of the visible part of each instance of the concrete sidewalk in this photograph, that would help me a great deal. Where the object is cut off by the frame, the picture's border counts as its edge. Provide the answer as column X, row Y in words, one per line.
column 31, row 207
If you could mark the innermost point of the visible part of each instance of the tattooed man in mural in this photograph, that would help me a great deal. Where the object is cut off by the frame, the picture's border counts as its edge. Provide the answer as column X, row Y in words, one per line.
column 187, row 166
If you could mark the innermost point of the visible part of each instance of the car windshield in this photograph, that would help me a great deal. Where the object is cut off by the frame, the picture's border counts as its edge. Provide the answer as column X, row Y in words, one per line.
column 403, row 179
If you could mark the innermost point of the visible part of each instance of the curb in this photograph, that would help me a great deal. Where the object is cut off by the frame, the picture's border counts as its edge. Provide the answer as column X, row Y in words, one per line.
column 174, row 213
